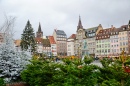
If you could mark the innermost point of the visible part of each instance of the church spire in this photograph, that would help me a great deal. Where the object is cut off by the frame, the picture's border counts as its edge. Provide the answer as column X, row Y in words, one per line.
column 39, row 28
column 39, row 32
column 79, row 24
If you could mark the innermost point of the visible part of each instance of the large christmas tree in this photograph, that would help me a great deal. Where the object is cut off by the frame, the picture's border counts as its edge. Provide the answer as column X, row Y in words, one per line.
column 28, row 38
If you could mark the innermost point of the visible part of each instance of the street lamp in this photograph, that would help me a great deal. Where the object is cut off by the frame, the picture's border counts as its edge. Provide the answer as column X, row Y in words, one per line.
column 79, row 50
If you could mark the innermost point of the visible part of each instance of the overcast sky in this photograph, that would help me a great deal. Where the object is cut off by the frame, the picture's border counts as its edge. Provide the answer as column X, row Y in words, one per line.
column 64, row 14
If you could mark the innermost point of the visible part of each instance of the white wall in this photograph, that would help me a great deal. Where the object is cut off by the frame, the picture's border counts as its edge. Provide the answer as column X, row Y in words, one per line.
column 70, row 47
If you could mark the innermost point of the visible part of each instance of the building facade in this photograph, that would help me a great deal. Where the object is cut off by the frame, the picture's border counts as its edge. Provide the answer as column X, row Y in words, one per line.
column 123, row 38
column 129, row 38
column 103, row 43
column 53, row 46
column 70, row 45
column 90, row 38
column 39, row 44
column 114, row 43
column 61, row 41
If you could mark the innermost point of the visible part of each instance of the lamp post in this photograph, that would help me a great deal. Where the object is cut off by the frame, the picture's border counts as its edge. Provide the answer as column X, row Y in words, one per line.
column 80, row 50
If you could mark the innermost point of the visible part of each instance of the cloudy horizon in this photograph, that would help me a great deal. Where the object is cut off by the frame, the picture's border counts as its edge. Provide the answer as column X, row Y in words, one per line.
column 64, row 14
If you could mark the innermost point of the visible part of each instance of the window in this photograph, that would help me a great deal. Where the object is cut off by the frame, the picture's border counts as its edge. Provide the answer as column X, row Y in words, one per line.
column 123, row 43
column 105, row 50
column 102, row 51
column 108, row 50
column 120, row 43
column 126, row 43
column 120, row 49
column 69, row 45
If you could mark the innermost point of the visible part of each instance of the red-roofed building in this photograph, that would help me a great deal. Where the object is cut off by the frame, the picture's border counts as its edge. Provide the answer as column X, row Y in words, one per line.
column 53, row 45
column 70, row 45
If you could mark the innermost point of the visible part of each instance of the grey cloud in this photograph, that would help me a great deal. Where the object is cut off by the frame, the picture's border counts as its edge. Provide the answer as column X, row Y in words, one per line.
column 63, row 14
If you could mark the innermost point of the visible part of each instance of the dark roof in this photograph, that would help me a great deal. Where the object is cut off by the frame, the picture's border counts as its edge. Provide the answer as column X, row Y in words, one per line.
column 39, row 28
column 104, row 34
column 39, row 40
column 79, row 24
column 60, row 32
column 46, row 43
column 73, row 36
column 114, row 31
column 123, row 28
column 90, row 31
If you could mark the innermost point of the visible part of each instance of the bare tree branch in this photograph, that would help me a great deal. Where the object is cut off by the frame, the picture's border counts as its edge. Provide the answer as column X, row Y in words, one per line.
column 8, row 25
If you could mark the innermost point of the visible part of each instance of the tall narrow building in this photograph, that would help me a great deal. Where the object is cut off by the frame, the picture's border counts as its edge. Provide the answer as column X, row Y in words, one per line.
column 80, row 36
column 61, row 41
column 39, row 33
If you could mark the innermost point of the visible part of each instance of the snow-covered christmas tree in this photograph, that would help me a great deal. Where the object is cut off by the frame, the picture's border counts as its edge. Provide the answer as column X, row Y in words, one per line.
column 12, row 62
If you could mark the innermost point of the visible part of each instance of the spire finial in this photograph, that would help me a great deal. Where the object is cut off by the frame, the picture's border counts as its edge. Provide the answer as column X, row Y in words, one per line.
column 39, row 28
column 79, row 24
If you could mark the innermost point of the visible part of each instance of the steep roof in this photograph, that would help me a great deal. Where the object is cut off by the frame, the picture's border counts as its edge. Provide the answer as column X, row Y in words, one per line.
column 79, row 24
column 73, row 36
column 104, row 34
column 60, row 32
column 91, row 31
column 39, row 28
column 51, row 39
column 46, row 43
column 123, row 28
column 39, row 40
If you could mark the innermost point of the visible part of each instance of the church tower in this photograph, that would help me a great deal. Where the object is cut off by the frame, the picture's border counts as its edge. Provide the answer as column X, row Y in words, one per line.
column 79, row 24
column 39, row 33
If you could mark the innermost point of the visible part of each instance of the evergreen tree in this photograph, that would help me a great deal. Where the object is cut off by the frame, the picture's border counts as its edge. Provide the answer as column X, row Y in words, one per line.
column 12, row 62
column 28, row 38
